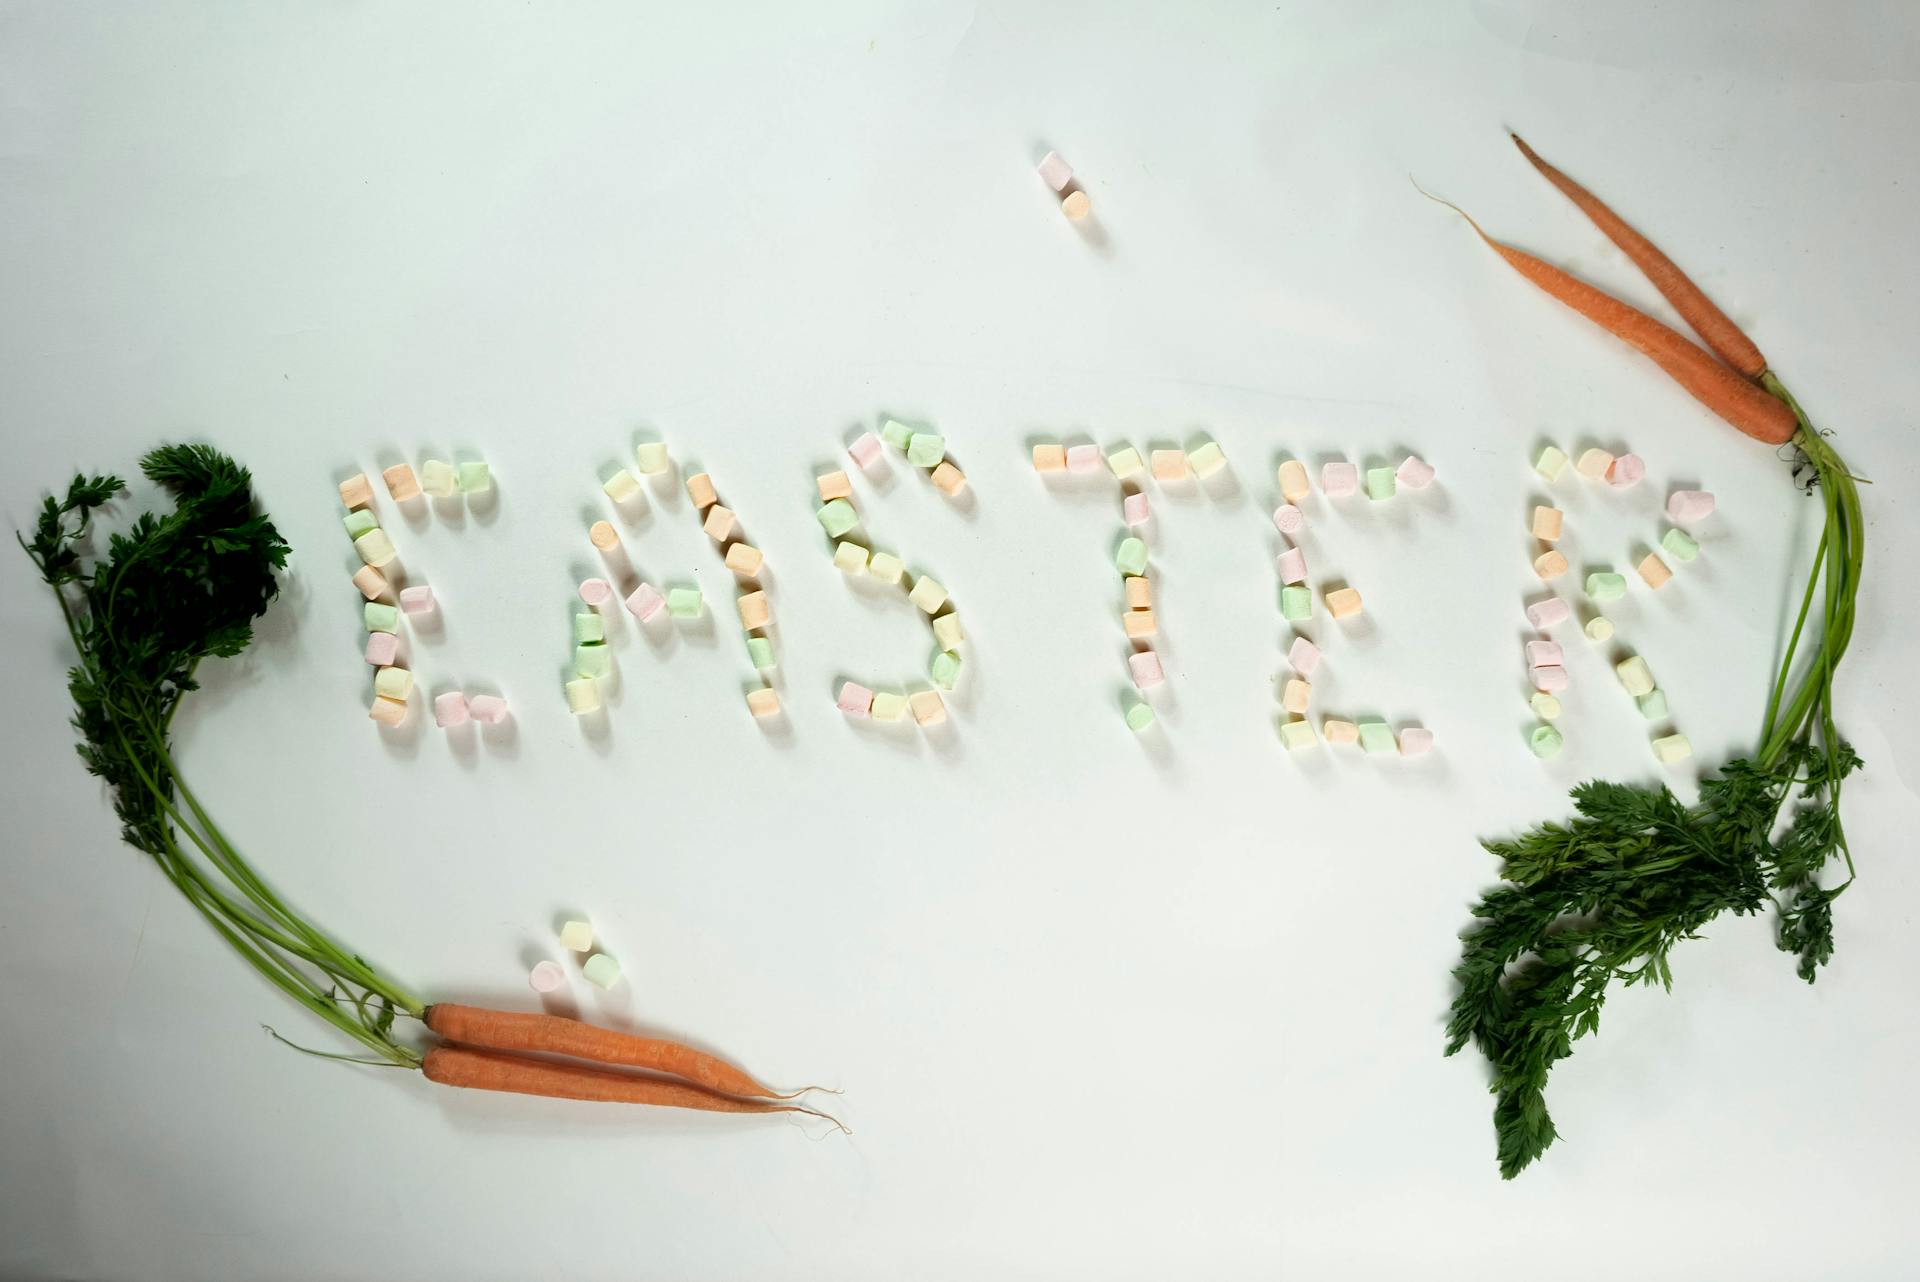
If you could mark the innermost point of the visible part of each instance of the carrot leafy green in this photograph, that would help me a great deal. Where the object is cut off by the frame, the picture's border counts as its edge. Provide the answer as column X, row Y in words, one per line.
column 1604, row 897
column 172, row 590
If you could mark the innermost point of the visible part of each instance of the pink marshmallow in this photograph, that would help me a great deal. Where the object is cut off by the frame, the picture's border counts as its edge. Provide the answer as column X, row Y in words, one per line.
column 381, row 648
column 1147, row 672
column 1415, row 740
column 1288, row 519
column 1546, row 613
column 1054, row 171
column 489, row 708
column 596, row 591
column 1304, row 655
column 1293, row 566
column 865, row 451
column 418, row 600
column 1689, row 505
column 450, row 709
column 1549, row 677
column 1339, row 479
column 855, row 700
column 1133, row 509
column 645, row 601
column 1627, row 470
column 1085, row 458
column 1543, row 654
column 1415, row 473
column 546, row 976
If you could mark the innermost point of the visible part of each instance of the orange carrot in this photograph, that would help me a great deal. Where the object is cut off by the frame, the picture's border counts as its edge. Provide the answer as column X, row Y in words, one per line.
column 1727, row 339
column 554, row 1035
column 495, row 1071
column 1742, row 404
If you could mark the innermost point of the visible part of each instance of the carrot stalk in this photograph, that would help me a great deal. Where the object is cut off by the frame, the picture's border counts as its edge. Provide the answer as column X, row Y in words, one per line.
column 486, row 1070
column 1749, row 408
column 1727, row 340
column 555, row 1035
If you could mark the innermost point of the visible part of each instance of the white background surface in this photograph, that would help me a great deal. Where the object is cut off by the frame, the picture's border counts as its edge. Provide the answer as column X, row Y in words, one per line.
column 1102, row 1007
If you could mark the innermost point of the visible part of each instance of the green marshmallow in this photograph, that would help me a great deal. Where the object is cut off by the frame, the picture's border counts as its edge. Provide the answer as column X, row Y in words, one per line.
column 1680, row 545
column 359, row 522
column 382, row 618
column 924, row 449
column 1381, row 483
column 945, row 669
column 1296, row 602
column 1653, row 704
column 1545, row 742
column 837, row 517
column 683, row 603
column 589, row 627
column 1131, row 556
column 1296, row 734
column 1606, row 586
column 1139, row 716
column 592, row 660
column 760, row 653
column 601, row 971
column 474, row 478
column 896, row 434
column 1377, row 736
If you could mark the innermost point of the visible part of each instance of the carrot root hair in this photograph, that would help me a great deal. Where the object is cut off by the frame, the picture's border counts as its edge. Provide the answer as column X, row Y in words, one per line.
column 1741, row 403
column 488, row 1070
column 1728, row 341
column 521, row 1031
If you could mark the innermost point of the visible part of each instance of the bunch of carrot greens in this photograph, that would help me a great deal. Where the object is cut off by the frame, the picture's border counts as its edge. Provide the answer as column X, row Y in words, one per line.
column 1605, row 896
column 176, row 589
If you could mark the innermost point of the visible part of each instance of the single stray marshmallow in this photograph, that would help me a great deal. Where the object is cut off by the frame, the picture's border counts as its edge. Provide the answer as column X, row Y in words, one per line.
column 1169, row 465
column 1547, row 612
column 1415, row 473
column 1343, row 602
column 865, row 451
column 417, row 599
column 855, row 700
column 488, row 708
column 1686, row 506
column 450, row 709
column 546, row 977
column 401, row 482
column 373, row 584
column 1054, row 171
column 645, row 601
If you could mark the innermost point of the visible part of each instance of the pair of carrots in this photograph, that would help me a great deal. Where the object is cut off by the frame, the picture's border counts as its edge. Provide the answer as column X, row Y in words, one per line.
column 1727, row 379
column 496, row 1050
